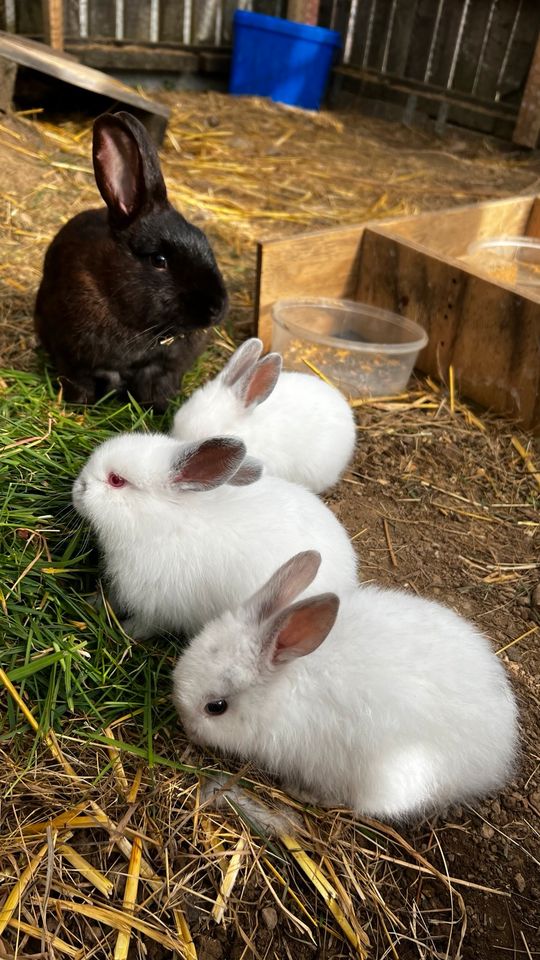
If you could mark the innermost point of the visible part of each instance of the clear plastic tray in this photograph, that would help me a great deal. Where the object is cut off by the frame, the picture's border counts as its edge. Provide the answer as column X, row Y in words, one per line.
column 362, row 349
column 514, row 260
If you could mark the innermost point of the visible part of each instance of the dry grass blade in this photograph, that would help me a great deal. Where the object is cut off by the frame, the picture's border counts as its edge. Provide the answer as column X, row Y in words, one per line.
column 356, row 937
column 38, row 933
column 229, row 880
column 119, row 920
column 184, row 933
column 95, row 877
column 16, row 894
column 517, row 639
column 130, row 898
column 527, row 459
column 452, row 390
column 118, row 769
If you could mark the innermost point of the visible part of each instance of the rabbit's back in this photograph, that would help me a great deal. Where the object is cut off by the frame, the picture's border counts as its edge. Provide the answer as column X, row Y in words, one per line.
column 413, row 710
column 192, row 561
column 304, row 432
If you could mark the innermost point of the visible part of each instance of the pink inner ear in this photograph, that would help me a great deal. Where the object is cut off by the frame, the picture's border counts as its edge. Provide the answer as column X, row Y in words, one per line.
column 118, row 158
column 304, row 626
column 210, row 464
column 263, row 380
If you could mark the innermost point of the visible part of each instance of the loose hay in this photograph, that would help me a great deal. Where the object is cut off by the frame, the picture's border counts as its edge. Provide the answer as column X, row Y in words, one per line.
column 106, row 846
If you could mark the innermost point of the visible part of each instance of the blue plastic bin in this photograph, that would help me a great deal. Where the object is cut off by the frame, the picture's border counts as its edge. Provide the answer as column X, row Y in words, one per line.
column 281, row 59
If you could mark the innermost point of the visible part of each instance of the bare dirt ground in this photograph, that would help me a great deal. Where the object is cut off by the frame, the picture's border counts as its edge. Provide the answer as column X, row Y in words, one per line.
column 436, row 503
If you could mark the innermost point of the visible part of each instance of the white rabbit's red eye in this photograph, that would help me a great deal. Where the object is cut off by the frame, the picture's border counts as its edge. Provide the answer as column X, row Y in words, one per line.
column 115, row 480
column 158, row 261
column 215, row 707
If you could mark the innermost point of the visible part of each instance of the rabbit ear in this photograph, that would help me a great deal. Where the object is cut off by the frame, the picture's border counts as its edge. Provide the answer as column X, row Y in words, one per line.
column 300, row 629
column 285, row 585
column 250, row 471
column 241, row 361
column 258, row 384
column 203, row 466
column 126, row 167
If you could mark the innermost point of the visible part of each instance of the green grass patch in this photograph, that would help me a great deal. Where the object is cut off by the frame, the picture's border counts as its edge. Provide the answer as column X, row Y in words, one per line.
column 68, row 658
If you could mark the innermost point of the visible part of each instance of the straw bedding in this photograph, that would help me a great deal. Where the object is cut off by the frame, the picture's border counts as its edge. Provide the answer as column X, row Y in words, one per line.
column 107, row 847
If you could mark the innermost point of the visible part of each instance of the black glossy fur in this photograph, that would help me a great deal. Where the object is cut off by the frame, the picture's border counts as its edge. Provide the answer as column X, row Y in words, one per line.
column 106, row 303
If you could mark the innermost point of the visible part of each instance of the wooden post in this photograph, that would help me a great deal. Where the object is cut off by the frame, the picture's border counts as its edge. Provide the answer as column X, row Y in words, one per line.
column 8, row 72
column 303, row 11
column 53, row 23
column 528, row 122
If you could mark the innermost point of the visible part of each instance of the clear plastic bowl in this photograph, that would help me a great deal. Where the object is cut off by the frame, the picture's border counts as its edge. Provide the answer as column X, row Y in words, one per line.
column 514, row 260
column 362, row 349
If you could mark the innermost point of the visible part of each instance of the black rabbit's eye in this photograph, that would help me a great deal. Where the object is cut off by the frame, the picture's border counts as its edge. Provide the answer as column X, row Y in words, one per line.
column 158, row 261
column 215, row 707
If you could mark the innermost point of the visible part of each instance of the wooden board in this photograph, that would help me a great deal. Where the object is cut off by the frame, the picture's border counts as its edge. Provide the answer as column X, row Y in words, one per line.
column 39, row 57
column 8, row 71
column 527, row 126
column 486, row 330
column 323, row 263
column 449, row 232
column 128, row 56
column 53, row 23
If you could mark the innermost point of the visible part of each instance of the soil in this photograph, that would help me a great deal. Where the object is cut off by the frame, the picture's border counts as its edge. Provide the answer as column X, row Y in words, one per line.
column 440, row 553
column 438, row 507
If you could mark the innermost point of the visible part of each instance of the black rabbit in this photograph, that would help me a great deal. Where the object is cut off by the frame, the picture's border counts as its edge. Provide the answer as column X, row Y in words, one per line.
column 127, row 292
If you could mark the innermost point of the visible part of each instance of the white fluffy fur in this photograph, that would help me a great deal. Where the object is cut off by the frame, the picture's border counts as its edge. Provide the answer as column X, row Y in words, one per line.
column 303, row 432
column 403, row 709
column 177, row 558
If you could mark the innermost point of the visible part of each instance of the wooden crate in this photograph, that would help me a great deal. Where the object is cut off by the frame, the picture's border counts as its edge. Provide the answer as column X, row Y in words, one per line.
column 488, row 329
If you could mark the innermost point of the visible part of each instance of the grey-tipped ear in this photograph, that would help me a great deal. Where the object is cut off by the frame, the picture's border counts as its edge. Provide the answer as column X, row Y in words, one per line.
column 241, row 361
column 300, row 629
column 126, row 167
column 206, row 465
column 250, row 471
column 258, row 384
column 285, row 584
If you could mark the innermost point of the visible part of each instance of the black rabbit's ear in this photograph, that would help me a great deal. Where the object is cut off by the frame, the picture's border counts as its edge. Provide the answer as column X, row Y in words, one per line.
column 126, row 167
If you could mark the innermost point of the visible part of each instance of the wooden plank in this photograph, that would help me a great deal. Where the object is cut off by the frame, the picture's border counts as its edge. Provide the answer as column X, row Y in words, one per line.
column 29, row 17
column 171, row 20
column 533, row 223
column 8, row 73
column 102, row 20
column 429, row 92
column 449, row 232
column 527, row 126
column 137, row 21
column 128, row 56
column 53, row 23
column 303, row 11
column 39, row 57
column 486, row 330
column 322, row 263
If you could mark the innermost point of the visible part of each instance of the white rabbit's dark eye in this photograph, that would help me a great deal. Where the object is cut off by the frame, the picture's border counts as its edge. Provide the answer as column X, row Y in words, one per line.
column 215, row 707
column 158, row 261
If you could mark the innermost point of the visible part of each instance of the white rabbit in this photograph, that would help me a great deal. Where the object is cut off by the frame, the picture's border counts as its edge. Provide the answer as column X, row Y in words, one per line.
column 182, row 544
column 304, row 431
column 401, row 711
